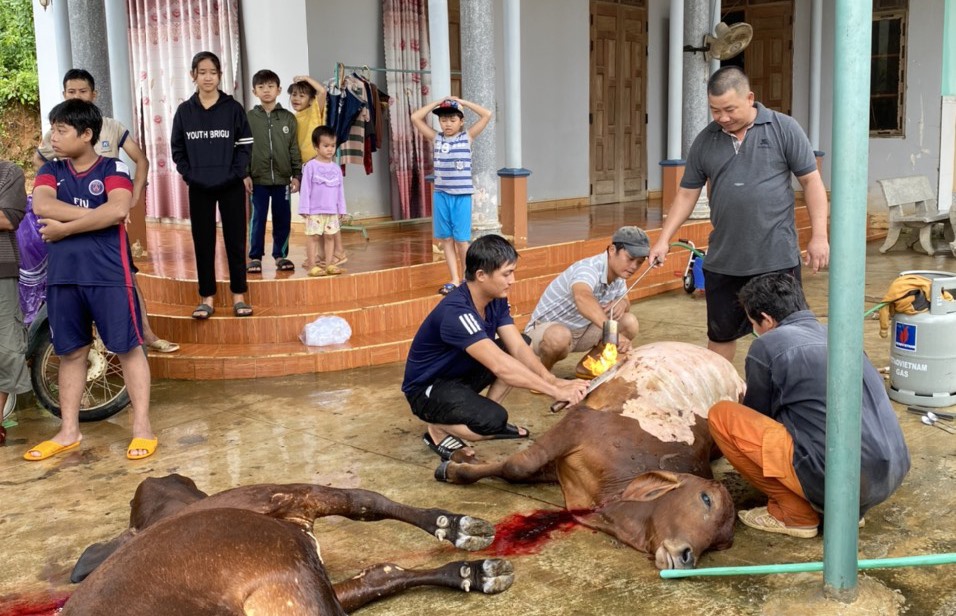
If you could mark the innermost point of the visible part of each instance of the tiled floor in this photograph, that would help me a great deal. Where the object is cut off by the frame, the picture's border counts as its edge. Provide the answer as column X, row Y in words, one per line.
column 354, row 429
column 395, row 245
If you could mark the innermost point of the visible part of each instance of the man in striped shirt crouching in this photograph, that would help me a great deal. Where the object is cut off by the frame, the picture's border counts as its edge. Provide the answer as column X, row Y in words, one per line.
column 571, row 313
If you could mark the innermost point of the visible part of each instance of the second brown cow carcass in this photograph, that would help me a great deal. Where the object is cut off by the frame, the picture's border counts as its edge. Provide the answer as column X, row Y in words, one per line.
column 251, row 550
column 633, row 459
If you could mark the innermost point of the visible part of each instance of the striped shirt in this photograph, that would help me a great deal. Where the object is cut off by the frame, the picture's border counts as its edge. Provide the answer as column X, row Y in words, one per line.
column 557, row 303
column 453, row 164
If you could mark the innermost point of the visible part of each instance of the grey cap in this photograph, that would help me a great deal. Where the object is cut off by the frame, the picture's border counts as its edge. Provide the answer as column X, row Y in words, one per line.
column 634, row 240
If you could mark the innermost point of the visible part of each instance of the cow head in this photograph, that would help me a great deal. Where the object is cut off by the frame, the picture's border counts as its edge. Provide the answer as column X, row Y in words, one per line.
column 675, row 517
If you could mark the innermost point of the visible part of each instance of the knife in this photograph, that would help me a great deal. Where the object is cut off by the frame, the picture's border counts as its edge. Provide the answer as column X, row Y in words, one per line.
column 594, row 384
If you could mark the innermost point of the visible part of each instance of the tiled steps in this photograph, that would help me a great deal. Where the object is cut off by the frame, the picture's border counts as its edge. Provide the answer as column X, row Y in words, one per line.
column 384, row 309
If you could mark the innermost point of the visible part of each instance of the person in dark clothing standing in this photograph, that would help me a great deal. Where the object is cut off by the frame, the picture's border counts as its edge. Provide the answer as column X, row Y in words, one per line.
column 777, row 438
column 211, row 146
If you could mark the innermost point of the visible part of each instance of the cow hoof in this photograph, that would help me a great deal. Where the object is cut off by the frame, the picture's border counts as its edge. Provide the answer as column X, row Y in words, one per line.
column 466, row 532
column 490, row 576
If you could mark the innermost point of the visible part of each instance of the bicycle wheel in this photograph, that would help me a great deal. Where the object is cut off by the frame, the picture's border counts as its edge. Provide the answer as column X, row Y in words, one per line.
column 104, row 393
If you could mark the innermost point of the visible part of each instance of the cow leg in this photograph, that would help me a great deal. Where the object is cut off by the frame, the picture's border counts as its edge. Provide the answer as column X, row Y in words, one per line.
column 490, row 577
column 465, row 532
column 531, row 465
column 304, row 503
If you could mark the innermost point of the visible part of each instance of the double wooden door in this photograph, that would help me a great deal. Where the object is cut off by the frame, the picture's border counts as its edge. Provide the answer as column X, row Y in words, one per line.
column 618, row 86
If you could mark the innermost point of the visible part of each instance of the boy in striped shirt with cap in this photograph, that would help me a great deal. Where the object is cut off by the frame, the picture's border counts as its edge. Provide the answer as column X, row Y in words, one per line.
column 451, row 203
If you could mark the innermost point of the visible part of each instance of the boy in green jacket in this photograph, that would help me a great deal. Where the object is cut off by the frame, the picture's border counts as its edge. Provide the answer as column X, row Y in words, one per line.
column 274, row 172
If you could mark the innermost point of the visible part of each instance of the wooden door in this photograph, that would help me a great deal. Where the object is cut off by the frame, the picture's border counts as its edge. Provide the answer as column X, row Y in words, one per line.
column 617, row 102
column 768, row 60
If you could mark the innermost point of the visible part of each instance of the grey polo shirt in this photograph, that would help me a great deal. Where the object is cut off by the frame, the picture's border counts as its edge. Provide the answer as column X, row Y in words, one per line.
column 751, row 195
column 786, row 372
column 557, row 303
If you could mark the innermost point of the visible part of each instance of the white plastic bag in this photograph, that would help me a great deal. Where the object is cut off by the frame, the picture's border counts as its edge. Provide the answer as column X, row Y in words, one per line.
column 326, row 330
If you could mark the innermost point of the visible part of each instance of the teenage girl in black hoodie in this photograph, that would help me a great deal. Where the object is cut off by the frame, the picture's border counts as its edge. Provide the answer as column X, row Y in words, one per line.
column 211, row 145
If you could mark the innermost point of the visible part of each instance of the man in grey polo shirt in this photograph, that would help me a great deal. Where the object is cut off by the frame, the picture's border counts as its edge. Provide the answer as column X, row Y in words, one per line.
column 571, row 313
column 748, row 154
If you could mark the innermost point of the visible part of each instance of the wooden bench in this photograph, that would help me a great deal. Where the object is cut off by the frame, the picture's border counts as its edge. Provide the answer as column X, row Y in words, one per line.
column 912, row 203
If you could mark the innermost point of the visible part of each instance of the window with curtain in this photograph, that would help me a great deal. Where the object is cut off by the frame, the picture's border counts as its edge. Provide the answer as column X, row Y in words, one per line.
column 888, row 68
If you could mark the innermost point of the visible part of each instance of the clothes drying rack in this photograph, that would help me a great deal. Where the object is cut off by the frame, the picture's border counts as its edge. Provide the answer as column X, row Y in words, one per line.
column 340, row 69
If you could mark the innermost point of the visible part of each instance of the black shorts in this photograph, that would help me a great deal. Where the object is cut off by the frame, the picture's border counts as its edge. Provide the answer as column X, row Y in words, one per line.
column 726, row 319
column 459, row 401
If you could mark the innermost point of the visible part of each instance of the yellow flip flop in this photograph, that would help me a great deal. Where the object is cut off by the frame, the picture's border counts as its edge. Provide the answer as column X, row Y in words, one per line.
column 149, row 444
column 48, row 449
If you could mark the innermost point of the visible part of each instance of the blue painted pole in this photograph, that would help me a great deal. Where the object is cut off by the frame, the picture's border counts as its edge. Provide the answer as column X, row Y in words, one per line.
column 847, row 275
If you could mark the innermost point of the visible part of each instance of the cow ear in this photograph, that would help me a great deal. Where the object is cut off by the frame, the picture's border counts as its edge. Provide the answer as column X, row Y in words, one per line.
column 650, row 486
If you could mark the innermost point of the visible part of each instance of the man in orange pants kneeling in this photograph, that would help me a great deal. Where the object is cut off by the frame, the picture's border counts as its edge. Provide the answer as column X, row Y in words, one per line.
column 776, row 439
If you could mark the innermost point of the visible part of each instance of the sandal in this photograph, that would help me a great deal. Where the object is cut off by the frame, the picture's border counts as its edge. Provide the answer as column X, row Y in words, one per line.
column 511, row 431
column 340, row 260
column 446, row 288
column 317, row 271
column 446, row 448
column 203, row 312
column 333, row 270
column 242, row 309
column 284, row 265
column 254, row 267
column 162, row 346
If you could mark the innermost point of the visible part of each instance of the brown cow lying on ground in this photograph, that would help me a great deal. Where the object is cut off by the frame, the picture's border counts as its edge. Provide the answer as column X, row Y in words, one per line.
column 251, row 551
column 634, row 456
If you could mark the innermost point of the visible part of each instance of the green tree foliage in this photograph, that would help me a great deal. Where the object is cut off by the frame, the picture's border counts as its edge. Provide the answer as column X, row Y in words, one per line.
column 18, row 55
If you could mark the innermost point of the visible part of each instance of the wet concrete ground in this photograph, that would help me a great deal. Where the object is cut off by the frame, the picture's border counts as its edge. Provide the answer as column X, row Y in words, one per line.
column 354, row 429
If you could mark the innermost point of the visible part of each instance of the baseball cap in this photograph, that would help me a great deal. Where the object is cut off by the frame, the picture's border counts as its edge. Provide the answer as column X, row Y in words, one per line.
column 634, row 240
column 448, row 107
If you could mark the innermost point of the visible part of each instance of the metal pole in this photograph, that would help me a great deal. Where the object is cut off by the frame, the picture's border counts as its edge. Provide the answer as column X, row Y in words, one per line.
column 816, row 48
column 675, row 79
column 930, row 560
column 438, row 47
column 512, row 65
column 851, row 87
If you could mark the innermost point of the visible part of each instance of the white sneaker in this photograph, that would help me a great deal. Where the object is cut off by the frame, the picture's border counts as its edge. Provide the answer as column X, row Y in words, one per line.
column 761, row 519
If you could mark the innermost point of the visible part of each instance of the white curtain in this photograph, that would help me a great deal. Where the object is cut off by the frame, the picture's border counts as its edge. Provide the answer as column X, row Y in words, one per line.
column 164, row 36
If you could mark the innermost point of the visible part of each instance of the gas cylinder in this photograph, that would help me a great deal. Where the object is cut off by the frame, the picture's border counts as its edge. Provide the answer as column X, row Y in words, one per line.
column 923, row 348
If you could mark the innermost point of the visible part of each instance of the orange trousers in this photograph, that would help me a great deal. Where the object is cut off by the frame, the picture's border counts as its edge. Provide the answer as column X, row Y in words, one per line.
column 762, row 451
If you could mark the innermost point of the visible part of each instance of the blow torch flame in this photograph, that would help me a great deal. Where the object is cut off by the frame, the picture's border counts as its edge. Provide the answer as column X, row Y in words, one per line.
column 604, row 361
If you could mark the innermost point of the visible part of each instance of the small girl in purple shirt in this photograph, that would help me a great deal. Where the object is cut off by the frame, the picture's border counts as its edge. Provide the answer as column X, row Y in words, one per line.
column 322, row 202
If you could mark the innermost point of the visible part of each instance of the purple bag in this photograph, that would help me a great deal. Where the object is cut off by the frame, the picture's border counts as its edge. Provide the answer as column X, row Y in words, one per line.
column 33, row 262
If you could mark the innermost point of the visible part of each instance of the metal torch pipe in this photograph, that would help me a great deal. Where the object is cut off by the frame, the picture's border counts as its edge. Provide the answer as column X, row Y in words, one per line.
column 633, row 284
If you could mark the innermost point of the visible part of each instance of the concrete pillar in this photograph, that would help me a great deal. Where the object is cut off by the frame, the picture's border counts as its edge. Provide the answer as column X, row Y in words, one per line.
column 117, row 35
column 816, row 50
column 514, row 178
column 947, row 133
column 714, row 64
column 89, row 18
column 673, row 167
column 478, row 85
column 696, row 71
column 438, row 48
column 61, row 26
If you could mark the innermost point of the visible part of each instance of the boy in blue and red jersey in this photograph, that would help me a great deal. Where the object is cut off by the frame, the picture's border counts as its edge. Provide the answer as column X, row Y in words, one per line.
column 82, row 200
